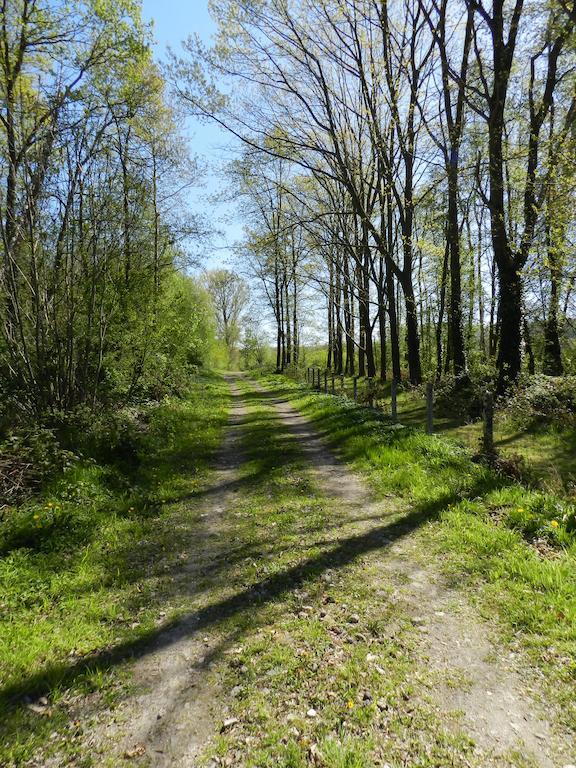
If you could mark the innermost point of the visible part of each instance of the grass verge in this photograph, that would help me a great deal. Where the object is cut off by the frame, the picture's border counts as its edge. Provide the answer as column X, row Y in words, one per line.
column 548, row 454
column 89, row 569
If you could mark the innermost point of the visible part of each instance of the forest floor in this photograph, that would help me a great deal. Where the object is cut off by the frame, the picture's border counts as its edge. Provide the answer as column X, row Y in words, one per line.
column 345, row 611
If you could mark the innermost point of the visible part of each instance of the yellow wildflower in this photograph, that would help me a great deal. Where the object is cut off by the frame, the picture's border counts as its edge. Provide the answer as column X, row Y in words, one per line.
column 350, row 704
column 520, row 509
column 36, row 517
column 554, row 523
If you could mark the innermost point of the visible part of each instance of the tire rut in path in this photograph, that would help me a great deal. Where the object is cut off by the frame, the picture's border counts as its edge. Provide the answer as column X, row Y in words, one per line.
column 175, row 713
column 499, row 714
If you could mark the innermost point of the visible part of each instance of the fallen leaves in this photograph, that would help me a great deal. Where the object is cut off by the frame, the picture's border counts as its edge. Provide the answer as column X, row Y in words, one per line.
column 229, row 723
column 136, row 751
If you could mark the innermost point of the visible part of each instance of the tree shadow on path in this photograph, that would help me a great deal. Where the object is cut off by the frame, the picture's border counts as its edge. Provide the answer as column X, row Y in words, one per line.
column 250, row 598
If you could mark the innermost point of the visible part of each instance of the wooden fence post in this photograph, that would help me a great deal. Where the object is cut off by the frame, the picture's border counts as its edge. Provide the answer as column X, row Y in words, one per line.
column 488, row 438
column 394, row 401
column 325, row 381
column 342, row 382
column 429, row 408
column 355, row 389
column 333, row 389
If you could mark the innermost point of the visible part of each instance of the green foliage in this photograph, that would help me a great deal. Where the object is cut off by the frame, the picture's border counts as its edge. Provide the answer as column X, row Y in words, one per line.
column 536, row 515
column 229, row 293
column 28, row 457
column 105, row 435
column 461, row 400
column 156, row 353
column 254, row 352
column 93, row 309
column 544, row 401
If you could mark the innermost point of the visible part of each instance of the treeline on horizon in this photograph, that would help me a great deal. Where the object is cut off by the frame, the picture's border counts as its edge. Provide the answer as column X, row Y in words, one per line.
column 412, row 161
column 411, row 164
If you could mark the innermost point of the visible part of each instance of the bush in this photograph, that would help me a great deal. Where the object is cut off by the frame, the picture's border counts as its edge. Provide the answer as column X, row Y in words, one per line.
column 544, row 401
column 462, row 400
column 28, row 458
column 108, row 436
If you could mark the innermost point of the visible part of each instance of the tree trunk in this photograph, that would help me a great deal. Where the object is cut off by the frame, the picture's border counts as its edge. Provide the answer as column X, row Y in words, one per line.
column 348, row 320
column 365, row 309
column 278, row 313
column 338, row 345
column 529, row 349
column 441, row 309
column 412, row 338
column 552, row 356
column 361, row 325
column 509, row 360
column 382, row 330
column 329, row 356
column 287, row 321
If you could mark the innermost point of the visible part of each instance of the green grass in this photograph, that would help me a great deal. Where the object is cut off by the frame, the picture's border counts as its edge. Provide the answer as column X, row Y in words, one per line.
column 88, row 567
column 549, row 454
column 305, row 612
column 323, row 665
column 513, row 546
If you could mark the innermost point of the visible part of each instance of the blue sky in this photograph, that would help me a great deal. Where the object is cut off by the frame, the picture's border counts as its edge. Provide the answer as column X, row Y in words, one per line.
column 174, row 21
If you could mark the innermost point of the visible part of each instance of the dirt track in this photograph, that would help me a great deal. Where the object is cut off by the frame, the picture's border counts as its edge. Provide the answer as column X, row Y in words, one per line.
column 179, row 705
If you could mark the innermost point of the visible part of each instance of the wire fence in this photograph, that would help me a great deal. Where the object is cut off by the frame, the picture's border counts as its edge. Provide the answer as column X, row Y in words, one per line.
column 365, row 391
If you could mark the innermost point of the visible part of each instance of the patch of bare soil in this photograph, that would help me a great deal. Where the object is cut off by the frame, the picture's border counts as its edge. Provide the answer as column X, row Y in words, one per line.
column 490, row 690
column 482, row 689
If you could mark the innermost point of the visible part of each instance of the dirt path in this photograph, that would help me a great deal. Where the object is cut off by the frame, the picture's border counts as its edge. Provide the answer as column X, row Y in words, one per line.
column 180, row 705
column 177, row 705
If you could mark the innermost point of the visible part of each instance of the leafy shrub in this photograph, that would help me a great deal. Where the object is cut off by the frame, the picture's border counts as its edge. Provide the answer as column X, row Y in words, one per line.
column 27, row 459
column 462, row 400
column 544, row 401
column 109, row 436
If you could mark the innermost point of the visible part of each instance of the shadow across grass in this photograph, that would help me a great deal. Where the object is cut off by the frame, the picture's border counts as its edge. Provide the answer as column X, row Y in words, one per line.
column 249, row 599
column 268, row 451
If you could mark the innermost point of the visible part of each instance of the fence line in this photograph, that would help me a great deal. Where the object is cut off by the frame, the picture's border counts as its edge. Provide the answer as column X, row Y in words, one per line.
column 488, row 449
